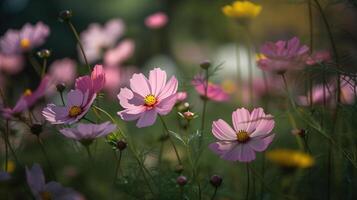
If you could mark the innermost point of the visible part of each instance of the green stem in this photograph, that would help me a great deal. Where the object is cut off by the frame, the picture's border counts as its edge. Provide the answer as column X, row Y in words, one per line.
column 61, row 94
column 90, row 157
column 203, row 118
column 73, row 29
column 6, row 137
column 169, row 137
column 44, row 66
column 247, row 191
column 214, row 193
column 36, row 66
column 46, row 157
column 288, row 91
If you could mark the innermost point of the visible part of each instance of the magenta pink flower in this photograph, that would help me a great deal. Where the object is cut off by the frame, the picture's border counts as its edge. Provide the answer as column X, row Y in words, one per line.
column 63, row 71
column 214, row 92
column 27, row 99
column 78, row 104
column 148, row 97
column 88, row 131
column 318, row 57
column 116, row 56
column 181, row 96
column 93, row 83
column 283, row 55
column 97, row 38
column 156, row 20
column 11, row 64
column 251, row 133
column 51, row 190
column 29, row 37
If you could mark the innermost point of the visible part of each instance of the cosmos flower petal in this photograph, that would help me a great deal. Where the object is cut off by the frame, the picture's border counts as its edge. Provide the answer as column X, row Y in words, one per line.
column 261, row 144
column 241, row 119
column 169, row 89
column 74, row 98
column 148, row 118
column 35, row 179
column 157, row 80
column 222, row 131
column 140, row 85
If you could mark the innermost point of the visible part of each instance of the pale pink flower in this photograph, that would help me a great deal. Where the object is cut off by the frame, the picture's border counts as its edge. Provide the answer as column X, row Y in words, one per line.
column 214, row 92
column 88, row 131
column 63, row 71
column 318, row 57
column 283, row 55
column 11, row 64
column 156, row 20
column 97, row 38
column 116, row 56
column 27, row 99
column 78, row 104
column 148, row 97
column 181, row 96
column 28, row 38
column 320, row 93
column 115, row 78
column 250, row 133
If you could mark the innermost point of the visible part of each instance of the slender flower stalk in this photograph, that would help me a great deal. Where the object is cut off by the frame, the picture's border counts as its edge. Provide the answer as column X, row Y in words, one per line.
column 204, row 99
column 172, row 142
column 248, row 182
column 40, row 142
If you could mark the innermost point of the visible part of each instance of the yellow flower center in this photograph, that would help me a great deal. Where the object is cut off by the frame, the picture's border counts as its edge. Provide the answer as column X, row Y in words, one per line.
column 46, row 195
column 242, row 136
column 75, row 111
column 27, row 92
column 25, row 43
column 150, row 100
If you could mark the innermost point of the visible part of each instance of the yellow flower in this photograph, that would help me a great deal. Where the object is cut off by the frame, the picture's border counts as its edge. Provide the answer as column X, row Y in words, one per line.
column 290, row 158
column 242, row 10
column 10, row 166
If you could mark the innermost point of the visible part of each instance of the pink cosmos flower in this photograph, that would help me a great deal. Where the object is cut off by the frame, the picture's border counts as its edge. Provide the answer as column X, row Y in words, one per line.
column 148, row 97
column 156, row 20
column 116, row 56
column 250, row 133
column 78, row 104
column 318, row 57
column 214, row 92
column 51, row 190
column 181, row 96
column 28, row 99
column 63, row 71
column 29, row 37
column 88, row 131
column 11, row 64
column 93, row 83
column 97, row 38
column 283, row 55
column 319, row 93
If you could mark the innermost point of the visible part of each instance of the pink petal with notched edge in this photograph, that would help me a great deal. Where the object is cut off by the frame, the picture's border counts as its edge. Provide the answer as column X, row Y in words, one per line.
column 140, row 85
column 256, row 117
column 98, row 78
column 169, row 89
column 260, row 144
column 166, row 105
column 148, row 118
column 240, row 119
column 265, row 126
column 222, row 131
column 157, row 81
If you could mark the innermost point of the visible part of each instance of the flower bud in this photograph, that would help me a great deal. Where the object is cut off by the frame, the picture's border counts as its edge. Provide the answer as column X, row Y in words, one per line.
column 181, row 180
column 36, row 129
column 60, row 87
column 65, row 15
column 216, row 180
column 205, row 64
column 189, row 115
column 44, row 53
column 121, row 145
column 179, row 169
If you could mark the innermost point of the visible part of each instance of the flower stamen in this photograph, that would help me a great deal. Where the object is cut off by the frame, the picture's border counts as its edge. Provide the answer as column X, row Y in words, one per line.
column 150, row 100
column 27, row 92
column 25, row 43
column 75, row 111
column 242, row 136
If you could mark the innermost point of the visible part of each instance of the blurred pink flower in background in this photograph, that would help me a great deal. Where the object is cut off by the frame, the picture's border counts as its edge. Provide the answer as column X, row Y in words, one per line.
column 319, row 93
column 148, row 97
column 251, row 133
column 27, row 99
column 11, row 64
column 181, row 96
column 116, row 56
column 156, row 20
column 115, row 78
column 88, row 131
column 214, row 92
column 97, row 38
column 63, row 71
column 28, row 38
column 283, row 55
column 348, row 90
column 318, row 57
column 51, row 190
